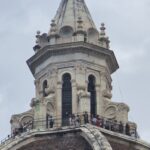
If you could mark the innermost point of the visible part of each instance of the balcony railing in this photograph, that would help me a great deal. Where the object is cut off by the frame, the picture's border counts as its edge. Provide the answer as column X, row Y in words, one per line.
column 73, row 121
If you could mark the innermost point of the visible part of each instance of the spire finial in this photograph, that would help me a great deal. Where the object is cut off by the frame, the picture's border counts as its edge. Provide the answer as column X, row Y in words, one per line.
column 37, row 36
column 53, row 27
column 37, row 46
column 103, row 39
column 102, row 28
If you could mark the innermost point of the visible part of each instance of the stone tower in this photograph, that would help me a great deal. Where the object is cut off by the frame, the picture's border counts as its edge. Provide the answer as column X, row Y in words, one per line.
column 72, row 67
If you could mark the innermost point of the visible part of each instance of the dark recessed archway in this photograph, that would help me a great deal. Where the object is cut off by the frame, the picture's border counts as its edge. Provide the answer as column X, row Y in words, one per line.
column 66, row 98
column 45, row 85
column 92, row 91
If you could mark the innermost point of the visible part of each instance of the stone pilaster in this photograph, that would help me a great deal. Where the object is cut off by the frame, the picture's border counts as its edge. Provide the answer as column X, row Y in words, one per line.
column 74, row 97
column 98, row 99
column 59, row 101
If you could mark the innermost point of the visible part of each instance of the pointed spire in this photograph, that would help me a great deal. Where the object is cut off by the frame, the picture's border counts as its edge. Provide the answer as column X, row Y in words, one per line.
column 73, row 16
column 103, row 39
column 70, row 10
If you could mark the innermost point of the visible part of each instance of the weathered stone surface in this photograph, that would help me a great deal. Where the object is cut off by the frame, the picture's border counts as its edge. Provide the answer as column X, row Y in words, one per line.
column 59, row 142
column 73, row 46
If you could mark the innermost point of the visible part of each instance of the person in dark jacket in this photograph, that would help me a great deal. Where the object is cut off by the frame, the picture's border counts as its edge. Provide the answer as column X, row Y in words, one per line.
column 127, row 129
column 120, row 127
column 51, row 122
column 86, row 118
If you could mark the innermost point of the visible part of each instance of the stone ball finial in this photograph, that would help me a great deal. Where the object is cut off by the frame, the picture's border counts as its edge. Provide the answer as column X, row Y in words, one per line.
column 102, row 24
column 80, row 21
column 53, row 20
column 38, row 32
column 52, row 23
column 37, row 36
column 102, row 28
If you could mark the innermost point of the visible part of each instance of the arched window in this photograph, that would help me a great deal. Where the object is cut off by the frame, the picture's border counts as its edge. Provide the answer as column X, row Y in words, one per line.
column 45, row 85
column 92, row 91
column 66, row 98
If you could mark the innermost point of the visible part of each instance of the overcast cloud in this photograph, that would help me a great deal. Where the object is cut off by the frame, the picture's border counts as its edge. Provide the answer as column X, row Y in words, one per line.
column 128, row 26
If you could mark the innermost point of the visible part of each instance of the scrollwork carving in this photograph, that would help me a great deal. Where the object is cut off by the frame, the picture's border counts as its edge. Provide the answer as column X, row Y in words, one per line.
column 111, row 112
column 80, row 68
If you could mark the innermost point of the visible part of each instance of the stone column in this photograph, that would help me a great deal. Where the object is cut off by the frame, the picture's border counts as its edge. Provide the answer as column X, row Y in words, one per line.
column 39, row 114
column 74, row 97
column 37, row 87
column 102, row 88
column 98, row 99
column 84, row 103
column 59, row 103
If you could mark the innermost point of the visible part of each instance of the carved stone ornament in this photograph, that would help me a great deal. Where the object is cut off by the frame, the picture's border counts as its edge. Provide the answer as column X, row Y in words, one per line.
column 34, row 101
column 123, row 107
column 107, row 94
column 83, row 94
column 25, row 119
column 111, row 112
column 81, row 88
column 80, row 68
column 50, row 98
column 51, row 108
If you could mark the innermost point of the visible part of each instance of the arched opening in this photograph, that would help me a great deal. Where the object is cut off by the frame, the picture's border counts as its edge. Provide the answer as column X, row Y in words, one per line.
column 45, row 85
column 92, row 91
column 93, row 35
column 66, row 32
column 66, row 98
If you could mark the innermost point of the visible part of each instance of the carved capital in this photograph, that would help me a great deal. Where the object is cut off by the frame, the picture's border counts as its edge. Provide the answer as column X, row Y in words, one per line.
column 81, row 87
column 107, row 94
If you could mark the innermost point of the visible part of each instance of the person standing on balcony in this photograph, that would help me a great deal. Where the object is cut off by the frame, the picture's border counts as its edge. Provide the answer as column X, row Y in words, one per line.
column 86, row 118
column 51, row 121
column 120, row 127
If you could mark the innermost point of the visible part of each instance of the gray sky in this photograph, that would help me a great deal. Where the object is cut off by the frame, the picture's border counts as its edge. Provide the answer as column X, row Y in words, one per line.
column 128, row 26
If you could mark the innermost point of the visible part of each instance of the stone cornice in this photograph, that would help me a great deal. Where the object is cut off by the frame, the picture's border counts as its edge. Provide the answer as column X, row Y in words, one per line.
column 124, row 137
column 75, row 47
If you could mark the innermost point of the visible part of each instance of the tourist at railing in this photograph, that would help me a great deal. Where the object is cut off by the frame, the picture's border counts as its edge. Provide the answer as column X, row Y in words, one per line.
column 77, row 120
column 70, row 120
column 74, row 120
column 27, row 126
column 51, row 121
column 93, row 120
column 86, row 117
column 114, row 126
column 127, row 129
column 121, row 127
column 107, row 124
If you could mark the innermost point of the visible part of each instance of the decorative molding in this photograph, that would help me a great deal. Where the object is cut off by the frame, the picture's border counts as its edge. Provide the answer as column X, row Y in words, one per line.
column 76, row 47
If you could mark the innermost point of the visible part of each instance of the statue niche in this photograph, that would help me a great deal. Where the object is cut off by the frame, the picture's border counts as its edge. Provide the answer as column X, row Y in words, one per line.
column 49, row 87
column 49, row 94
